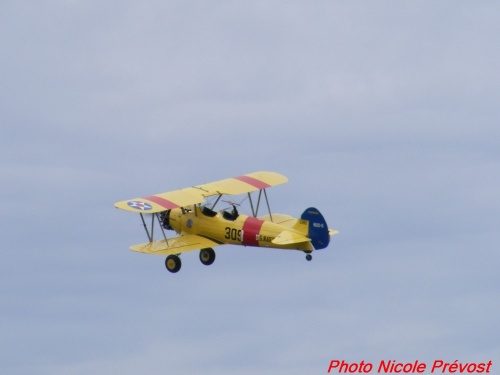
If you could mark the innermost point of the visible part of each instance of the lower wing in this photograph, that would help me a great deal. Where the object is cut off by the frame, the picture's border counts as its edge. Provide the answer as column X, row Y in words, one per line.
column 176, row 245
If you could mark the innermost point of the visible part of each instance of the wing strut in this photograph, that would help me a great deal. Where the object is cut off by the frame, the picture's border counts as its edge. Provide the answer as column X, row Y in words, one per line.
column 150, row 236
column 161, row 227
column 217, row 201
column 251, row 204
column 268, row 208
column 256, row 210
column 258, row 203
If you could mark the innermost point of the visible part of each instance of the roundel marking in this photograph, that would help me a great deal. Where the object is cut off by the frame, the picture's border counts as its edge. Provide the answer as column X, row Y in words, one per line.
column 138, row 205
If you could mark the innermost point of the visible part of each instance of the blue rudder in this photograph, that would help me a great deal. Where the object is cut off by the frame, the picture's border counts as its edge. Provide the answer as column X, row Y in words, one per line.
column 318, row 229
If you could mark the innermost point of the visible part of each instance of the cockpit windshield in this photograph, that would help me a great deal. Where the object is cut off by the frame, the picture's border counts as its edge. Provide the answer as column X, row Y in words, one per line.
column 232, row 216
column 208, row 212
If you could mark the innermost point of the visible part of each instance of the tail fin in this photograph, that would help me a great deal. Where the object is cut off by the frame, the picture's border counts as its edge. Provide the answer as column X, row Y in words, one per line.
column 318, row 229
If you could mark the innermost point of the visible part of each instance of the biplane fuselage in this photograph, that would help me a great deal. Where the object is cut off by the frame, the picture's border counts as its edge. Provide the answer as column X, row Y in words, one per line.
column 201, row 228
column 243, row 230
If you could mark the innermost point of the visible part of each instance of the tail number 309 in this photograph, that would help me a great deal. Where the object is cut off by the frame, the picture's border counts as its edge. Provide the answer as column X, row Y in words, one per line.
column 233, row 234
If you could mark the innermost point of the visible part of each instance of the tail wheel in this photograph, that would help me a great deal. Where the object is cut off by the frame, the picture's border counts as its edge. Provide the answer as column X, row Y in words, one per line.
column 309, row 257
column 207, row 256
column 173, row 263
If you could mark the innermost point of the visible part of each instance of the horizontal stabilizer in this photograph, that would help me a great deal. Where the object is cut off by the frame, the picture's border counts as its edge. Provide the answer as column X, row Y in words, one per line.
column 288, row 221
column 176, row 245
column 287, row 238
column 332, row 232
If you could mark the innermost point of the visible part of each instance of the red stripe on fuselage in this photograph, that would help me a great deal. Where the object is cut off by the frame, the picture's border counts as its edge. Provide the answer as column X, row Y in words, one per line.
column 251, row 230
column 253, row 182
column 162, row 202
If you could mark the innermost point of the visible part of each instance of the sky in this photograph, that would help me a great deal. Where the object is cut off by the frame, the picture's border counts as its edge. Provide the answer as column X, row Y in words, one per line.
column 383, row 115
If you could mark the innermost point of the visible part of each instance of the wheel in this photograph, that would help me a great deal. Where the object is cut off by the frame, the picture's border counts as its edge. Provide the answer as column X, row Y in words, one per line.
column 309, row 257
column 207, row 256
column 173, row 263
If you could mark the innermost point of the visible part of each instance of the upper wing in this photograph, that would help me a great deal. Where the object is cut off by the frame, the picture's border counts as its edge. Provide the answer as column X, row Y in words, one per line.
column 162, row 202
column 197, row 194
column 243, row 184
column 176, row 245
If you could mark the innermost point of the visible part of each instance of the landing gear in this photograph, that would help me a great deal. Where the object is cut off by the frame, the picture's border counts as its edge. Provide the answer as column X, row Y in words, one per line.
column 207, row 256
column 309, row 257
column 173, row 263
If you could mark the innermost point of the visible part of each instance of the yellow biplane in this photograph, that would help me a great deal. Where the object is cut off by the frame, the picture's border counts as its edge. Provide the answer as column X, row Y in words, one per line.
column 200, row 227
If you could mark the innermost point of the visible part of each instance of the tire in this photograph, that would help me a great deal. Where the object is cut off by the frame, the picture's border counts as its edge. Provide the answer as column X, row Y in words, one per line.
column 207, row 256
column 173, row 263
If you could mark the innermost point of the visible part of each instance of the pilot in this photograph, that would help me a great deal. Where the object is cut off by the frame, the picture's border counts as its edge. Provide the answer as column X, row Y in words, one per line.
column 234, row 213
